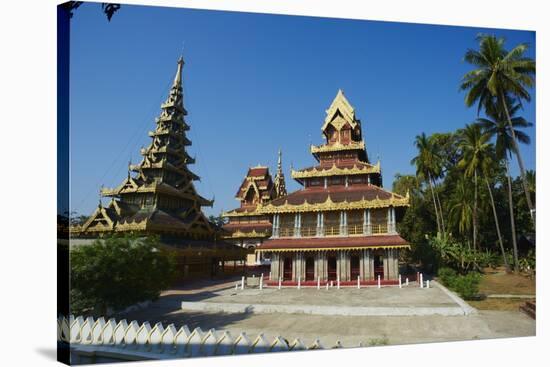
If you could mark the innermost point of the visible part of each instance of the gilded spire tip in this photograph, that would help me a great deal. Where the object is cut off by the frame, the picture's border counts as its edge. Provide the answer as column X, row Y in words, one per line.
column 177, row 78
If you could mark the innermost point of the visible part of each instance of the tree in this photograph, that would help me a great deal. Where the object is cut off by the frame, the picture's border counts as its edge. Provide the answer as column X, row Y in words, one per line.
column 108, row 8
column 489, row 164
column 496, row 125
column 405, row 183
column 499, row 74
column 117, row 272
column 460, row 206
column 475, row 147
column 428, row 165
column 218, row 221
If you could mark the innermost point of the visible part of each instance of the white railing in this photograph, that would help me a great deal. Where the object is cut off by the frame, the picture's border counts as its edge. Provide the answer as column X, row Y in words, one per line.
column 96, row 338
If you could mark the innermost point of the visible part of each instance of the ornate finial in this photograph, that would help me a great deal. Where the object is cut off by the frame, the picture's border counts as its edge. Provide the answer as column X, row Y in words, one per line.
column 177, row 78
column 129, row 167
column 407, row 194
column 100, row 190
column 280, row 186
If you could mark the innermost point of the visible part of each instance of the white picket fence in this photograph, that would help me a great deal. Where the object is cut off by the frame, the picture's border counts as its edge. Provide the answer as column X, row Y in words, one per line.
column 132, row 341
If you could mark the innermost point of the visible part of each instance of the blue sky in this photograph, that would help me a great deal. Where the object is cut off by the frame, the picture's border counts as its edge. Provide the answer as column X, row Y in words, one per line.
column 255, row 83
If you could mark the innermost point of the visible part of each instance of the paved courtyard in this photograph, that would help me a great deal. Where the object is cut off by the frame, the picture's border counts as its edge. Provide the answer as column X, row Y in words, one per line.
column 351, row 297
column 349, row 330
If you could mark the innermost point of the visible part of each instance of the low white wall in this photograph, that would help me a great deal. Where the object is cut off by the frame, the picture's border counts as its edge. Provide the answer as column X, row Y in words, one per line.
column 93, row 340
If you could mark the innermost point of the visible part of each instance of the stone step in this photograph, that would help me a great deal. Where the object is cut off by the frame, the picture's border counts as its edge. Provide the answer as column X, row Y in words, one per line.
column 531, row 305
column 528, row 311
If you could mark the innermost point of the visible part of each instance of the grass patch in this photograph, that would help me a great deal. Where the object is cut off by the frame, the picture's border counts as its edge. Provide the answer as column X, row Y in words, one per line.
column 498, row 304
column 498, row 282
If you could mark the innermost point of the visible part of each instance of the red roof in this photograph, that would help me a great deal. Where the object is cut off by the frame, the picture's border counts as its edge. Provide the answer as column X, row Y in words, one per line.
column 258, row 171
column 330, row 242
column 315, row 195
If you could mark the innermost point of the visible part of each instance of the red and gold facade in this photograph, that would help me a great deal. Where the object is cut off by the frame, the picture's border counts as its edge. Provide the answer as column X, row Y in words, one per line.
column 246, row 227
column 342, row 224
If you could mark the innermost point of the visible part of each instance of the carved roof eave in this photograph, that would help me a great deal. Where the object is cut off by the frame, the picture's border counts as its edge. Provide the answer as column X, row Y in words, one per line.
column 336, row 171
column 163, row 165
column 407, row 246
column 99, row 210
column 249, row 234
column 241, row 194
column 340, row 103
column 314, row 149
column 234, row 213
column 156, row 188
column 329, row 205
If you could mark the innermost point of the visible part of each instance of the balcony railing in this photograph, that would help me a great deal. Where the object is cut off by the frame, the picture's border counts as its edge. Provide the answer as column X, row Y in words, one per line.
column 335, row 230
column 379, row 228
column 286, row 231
column 355, row 229
column 308, row 231
column 332, row 231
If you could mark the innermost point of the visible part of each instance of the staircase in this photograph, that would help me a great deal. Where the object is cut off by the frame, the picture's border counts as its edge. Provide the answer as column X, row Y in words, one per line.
column 530, row 309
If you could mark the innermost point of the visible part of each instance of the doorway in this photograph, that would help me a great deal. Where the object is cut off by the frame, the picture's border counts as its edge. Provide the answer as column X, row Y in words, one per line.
column 378, row 265
column 287, row 268
column 310, row 268
column 331, row 267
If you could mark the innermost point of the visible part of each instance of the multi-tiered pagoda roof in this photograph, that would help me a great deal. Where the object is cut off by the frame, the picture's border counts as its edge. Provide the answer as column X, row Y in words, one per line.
column 343, row 181
column 158, row 195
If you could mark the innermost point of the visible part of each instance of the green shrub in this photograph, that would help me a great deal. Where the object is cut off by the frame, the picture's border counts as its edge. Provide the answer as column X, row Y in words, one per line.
column 446, row 276
column 117, row 272
column 467, row 285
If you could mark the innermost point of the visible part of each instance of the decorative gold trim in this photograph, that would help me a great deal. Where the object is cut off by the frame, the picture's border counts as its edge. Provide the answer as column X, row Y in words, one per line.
column 334, row 170
column 353, row 145
column 329, row 205
column 340, row 103
column 233, row 213
column 251, row 234
column 333, row 248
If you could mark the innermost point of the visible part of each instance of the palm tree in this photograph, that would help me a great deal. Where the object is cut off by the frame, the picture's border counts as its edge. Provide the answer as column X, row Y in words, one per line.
column 475, row 146
column 489, row 165
column 500, row 73
column 460, row 206
column 428, row 163
column 496, row 125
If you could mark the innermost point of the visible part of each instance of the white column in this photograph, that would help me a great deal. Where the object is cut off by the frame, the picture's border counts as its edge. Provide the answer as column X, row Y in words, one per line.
column 346, row 181
column 275, row 231
column 320, row 226
column 297, row 224
column 389, row 220
column 262, row 281
column 368, row 230
column 343, row 223
column 326, row 182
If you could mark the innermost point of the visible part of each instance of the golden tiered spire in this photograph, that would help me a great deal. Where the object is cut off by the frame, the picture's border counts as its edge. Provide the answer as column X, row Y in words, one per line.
column 163, row 189
column 280, row 186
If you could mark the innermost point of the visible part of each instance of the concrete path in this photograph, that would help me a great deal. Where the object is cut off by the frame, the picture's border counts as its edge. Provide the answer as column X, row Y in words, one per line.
column 350, row 330
column 372, row 301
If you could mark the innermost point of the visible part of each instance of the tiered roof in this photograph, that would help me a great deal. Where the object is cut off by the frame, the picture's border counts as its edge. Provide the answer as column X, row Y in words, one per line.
column 334, row 198
column 257, row 187
column 343, row 180
column 160, row 196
